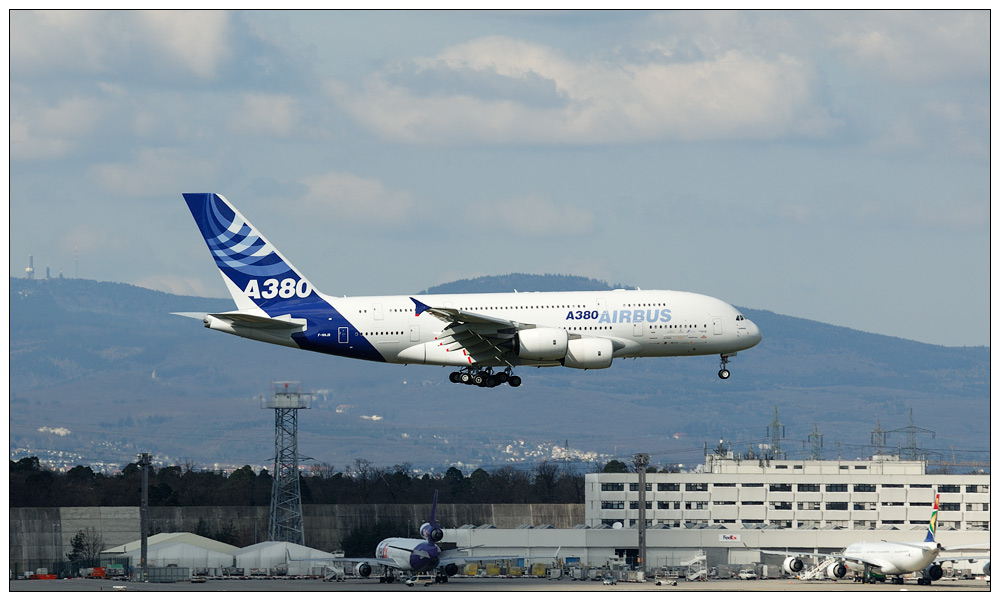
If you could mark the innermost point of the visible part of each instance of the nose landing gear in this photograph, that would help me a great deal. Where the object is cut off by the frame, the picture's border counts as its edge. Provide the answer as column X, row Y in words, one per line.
column 723, row 372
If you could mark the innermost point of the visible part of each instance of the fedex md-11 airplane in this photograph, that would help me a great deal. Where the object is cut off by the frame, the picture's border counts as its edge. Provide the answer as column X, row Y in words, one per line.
column 484, row 336
column 421, row 555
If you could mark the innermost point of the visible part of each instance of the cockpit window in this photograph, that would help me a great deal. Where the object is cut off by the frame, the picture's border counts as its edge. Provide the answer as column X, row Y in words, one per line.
column 740, row 318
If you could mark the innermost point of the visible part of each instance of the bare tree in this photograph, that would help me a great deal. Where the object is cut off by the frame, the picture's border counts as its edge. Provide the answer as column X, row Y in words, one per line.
column 87, row 546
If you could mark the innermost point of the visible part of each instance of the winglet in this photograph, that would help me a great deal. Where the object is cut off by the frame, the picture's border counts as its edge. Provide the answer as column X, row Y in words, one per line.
column 421, row 307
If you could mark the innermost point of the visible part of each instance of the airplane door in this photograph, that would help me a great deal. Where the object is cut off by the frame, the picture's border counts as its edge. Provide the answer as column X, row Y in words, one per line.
column 377, row 310
column 342, row 336
column 637, row 329
column 414, row 333
column 717, row 326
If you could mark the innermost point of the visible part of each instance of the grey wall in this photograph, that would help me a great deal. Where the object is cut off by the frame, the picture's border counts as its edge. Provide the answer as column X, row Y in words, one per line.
column 41, row 537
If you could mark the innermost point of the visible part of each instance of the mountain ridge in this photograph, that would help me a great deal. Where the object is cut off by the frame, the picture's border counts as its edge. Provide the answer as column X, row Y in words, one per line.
column 109, row 362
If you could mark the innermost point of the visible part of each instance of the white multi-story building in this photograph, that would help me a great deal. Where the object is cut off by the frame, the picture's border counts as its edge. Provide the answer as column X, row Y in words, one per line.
column 727, row 508
column 793, row 494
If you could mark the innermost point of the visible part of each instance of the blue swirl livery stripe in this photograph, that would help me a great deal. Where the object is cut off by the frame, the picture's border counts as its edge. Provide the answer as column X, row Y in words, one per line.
column 250, row 262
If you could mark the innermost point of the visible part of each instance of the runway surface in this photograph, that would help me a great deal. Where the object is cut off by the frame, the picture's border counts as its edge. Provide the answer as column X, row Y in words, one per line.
column 489, row 585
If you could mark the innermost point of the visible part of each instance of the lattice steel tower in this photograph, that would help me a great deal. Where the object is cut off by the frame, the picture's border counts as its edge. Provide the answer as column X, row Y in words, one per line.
column 285, row 519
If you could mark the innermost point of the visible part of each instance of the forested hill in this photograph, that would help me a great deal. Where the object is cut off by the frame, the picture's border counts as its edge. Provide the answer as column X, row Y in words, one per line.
column 103, row 369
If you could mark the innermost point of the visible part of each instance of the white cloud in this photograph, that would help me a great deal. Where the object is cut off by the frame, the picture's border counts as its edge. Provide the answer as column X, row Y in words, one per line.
column 914, row 47
column 265, row 114
column 153, row 171
column 43, row 131
column 532, row 216
column 347, row 196
column 105, row 43
column 501, row 90
column 198, row 40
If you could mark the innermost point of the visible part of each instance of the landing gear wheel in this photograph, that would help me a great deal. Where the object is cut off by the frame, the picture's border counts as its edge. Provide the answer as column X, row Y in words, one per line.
column 514, row 381
column 723, row 371
column 478, row 379
column 455, row 377
column 465, row 378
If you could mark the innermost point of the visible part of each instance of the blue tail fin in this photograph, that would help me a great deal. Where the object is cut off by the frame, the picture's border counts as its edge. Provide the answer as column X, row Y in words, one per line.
column 257, row 275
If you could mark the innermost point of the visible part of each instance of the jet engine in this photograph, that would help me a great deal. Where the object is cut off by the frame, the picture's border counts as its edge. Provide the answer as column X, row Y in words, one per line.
column 589, row 353
column 933, row 572
column 541, row 344
column 431, row 532
column 792, row 565
column 364, row 570
column 451, row 569
column 986, row 569
column 836, row 570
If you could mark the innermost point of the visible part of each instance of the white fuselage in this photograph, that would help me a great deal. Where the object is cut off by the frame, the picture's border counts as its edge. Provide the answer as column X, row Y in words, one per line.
column 641, row 323
column 895, row 559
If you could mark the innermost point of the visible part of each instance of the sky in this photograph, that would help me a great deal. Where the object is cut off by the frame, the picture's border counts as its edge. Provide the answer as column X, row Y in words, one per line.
column 826, row 165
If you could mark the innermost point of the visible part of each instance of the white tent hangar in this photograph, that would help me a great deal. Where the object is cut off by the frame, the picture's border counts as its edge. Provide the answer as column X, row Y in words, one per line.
column 173, row 537
column 182, row 555
column 299, row 560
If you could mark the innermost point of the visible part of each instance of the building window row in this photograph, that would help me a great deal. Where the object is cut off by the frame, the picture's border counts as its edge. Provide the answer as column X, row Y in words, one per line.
column 781, row 487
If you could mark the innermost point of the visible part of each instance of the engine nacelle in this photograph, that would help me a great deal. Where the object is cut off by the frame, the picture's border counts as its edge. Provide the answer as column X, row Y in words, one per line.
column 986, row 569
column 792, row 565
column 542, row 344
column 589, row 353
column 933, row 571
column 364, row 569
column 431, row 533
column 450, row 570
column 836, row 570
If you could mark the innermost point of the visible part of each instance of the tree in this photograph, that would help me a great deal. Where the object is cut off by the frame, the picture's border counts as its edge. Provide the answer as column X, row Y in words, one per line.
column 362, row 540
column 615, row 467
column 87, row 546
column 546, row 475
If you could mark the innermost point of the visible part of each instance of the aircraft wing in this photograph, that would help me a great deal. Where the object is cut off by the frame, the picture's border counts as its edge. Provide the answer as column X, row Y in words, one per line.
column 796, row 553
column 449, row 314
column 452, row 557
column 481, row 337
column 372, row 560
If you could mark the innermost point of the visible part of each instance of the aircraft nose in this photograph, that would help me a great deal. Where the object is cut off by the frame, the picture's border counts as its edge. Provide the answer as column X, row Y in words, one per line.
column 753, row 334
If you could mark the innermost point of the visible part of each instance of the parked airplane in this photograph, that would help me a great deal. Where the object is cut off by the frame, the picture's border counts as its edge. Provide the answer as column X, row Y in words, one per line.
column 886, row 558
column 477, row 333
column 418, row 555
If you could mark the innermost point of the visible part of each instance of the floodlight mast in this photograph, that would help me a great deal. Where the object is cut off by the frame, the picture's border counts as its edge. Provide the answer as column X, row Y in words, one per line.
column 285, row 518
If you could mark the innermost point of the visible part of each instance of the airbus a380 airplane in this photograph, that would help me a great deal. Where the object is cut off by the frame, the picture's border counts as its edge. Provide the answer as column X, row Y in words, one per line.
column 485, row 336
column 887, row 558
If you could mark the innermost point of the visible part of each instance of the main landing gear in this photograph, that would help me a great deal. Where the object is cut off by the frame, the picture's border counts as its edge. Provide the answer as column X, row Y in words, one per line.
column 723, row 372
column 484, row 378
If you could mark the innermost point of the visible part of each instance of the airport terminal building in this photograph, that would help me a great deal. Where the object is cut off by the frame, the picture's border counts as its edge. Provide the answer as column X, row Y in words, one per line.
column 720, row 511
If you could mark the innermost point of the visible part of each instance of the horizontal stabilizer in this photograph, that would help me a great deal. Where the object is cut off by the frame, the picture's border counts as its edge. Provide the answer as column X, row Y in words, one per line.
column 192, row 315
column 249, row 320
